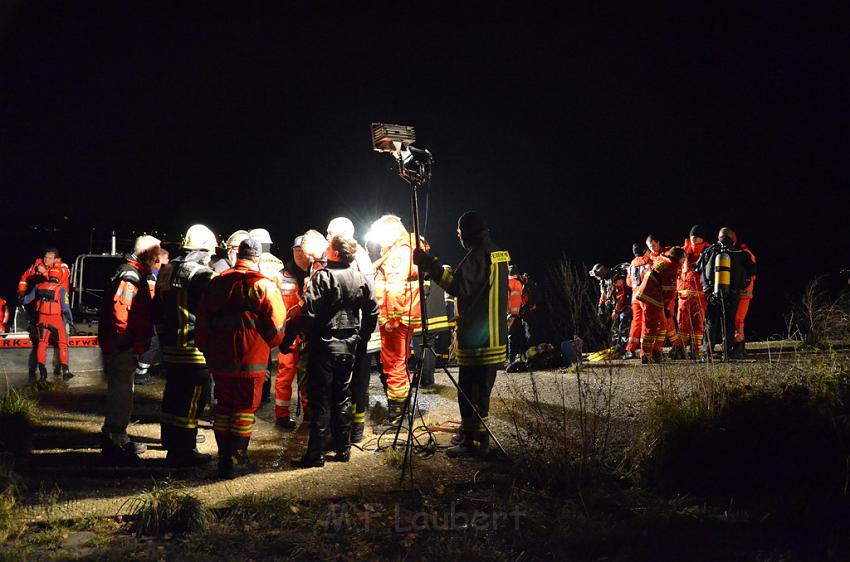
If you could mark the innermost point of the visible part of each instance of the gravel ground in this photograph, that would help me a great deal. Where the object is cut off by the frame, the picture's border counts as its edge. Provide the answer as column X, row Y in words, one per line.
column 66, row 455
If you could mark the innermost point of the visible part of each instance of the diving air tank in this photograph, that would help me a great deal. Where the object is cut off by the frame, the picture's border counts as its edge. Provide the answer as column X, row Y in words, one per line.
column 722, row 273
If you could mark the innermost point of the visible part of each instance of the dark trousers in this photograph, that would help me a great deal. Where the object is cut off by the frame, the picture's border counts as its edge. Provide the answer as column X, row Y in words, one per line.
column 516, row 338
column 186, row 393
column 718, row 311
column 620, row 329
column 329, row 395
column 360, row 382
column 477, row 383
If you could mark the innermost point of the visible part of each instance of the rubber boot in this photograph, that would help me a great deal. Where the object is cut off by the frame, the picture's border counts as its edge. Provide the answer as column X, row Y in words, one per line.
column 42, row 372
column 677, row 353
column 186, row 459
column 357, row 429
column 66, row 373
column 225, row 455
column 241, row 465
column 395, row 409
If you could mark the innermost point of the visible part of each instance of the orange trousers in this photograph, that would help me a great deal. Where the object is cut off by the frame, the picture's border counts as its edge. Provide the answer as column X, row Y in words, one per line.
column 395, row 351
column 670, row 332
column 636, row 327
column 51, row 329
column 740, row 316
column 653, row 330
column 692, row 320
column 287, row 370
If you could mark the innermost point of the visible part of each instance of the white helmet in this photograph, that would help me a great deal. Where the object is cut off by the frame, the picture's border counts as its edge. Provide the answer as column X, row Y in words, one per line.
column 199, row 237
column 236, row 238
column 261, row 235
column 341, row 226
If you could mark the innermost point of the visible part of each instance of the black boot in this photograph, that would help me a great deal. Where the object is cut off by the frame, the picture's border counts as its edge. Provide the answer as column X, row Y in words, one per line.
column 241, row 465
column 677, row 353
column 225, row 455
column 395, row 409
column 312, row 459
column 357, row 431
column 474, row 445
column 66, row 373
column 42, row 372
column 186, row 459
column 343, row 454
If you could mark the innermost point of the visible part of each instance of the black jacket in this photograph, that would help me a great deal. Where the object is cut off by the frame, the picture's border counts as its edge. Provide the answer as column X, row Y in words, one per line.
column 480, row 283
column 742, row 267
column 338, row 304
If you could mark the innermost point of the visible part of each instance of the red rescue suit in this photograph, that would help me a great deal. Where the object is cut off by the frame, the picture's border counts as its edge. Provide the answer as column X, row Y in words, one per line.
column 240, row 318
column 692, row 302
column 656, row 290
column 397, row 294
column 34, row 275
column 637, row 270
column 745, row 295
column 4, row 315
column 515, row 296
column 49, row 297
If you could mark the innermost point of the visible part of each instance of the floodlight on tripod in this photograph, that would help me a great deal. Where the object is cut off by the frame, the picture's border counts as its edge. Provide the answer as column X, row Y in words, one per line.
column 414, row 163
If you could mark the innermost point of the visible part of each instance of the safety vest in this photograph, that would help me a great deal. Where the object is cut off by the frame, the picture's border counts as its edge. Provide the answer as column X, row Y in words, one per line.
column 514, row 295
column 396, row 285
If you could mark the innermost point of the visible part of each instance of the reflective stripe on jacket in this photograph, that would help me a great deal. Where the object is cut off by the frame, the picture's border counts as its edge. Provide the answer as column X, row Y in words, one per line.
column 396, row 285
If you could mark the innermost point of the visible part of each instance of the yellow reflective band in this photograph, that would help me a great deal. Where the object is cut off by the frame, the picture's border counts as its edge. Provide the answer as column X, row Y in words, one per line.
column 177, row 421
column 446, row 279
column 193, row 405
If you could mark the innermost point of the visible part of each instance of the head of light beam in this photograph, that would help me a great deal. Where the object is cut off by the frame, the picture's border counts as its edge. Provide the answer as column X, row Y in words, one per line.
column 340, row 226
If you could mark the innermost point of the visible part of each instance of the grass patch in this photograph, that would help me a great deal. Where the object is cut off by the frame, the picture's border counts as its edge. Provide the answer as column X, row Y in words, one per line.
column 17, row 412
column 167, row 508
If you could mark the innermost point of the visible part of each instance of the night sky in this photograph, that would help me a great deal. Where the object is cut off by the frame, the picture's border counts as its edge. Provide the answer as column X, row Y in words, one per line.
column 574, row 132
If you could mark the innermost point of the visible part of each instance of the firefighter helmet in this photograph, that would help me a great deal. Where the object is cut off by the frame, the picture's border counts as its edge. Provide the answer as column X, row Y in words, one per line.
column 598, row 270
column 234, row 239
column 261, row 235
column 341, row 226
column 199, row 237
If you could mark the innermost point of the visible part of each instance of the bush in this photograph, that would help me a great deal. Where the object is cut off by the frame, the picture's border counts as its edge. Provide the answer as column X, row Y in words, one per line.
column 167, row 508
column 17, row 410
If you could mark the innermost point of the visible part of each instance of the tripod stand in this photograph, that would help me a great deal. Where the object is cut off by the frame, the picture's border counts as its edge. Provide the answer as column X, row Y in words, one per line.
column 417, row 178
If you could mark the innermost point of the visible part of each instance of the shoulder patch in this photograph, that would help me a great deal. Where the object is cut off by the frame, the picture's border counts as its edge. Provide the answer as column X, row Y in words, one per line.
column 501, row 256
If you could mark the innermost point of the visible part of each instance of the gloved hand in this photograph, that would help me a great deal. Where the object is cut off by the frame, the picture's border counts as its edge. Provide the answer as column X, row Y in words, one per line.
column 422, row 259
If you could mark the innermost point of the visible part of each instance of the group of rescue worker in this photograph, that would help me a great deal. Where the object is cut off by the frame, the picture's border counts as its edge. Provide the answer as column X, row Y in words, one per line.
column 692, row 297
column 225, row 322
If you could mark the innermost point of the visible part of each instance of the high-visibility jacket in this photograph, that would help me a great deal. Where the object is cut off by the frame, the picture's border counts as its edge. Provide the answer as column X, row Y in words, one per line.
column 480, row 283
column 126, row 321
column 688, row 283
column 292, row 288
column 658, row 287
column 515, row 300
column 747, row 292
column 32, row 277
column 179, row 287
column 638, row 268
column 396, row 285
column 241, row 316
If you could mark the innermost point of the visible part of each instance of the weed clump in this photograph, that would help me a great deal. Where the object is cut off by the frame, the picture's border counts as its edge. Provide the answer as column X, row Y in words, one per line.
column 167, row 508
column 17, row 411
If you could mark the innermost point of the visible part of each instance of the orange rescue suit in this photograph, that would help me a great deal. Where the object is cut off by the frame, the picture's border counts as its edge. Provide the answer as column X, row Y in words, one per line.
column 240, row 318
column 745, row 295
column 692, row 303
column 656, row 291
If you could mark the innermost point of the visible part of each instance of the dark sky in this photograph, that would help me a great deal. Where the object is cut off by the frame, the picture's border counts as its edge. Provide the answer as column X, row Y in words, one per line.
column 572, row 131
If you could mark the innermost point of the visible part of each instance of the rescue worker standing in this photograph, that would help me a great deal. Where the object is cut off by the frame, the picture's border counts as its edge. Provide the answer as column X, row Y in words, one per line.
column 725, row 270
column 240, row 318
column 34, row 275
column 339, row 311
column 480, row 282
column 637, row 269
column 656, row 250
column 397, row 293
column 692, row 303
column 179, row 287
column 293, row 276
column 745, row 296
column 362, row 362
column 614, row 294
column 51, row 306
column 270, row 266
column 4, row 315
column 516, row 334
column 125, row 331
column 654, row 293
